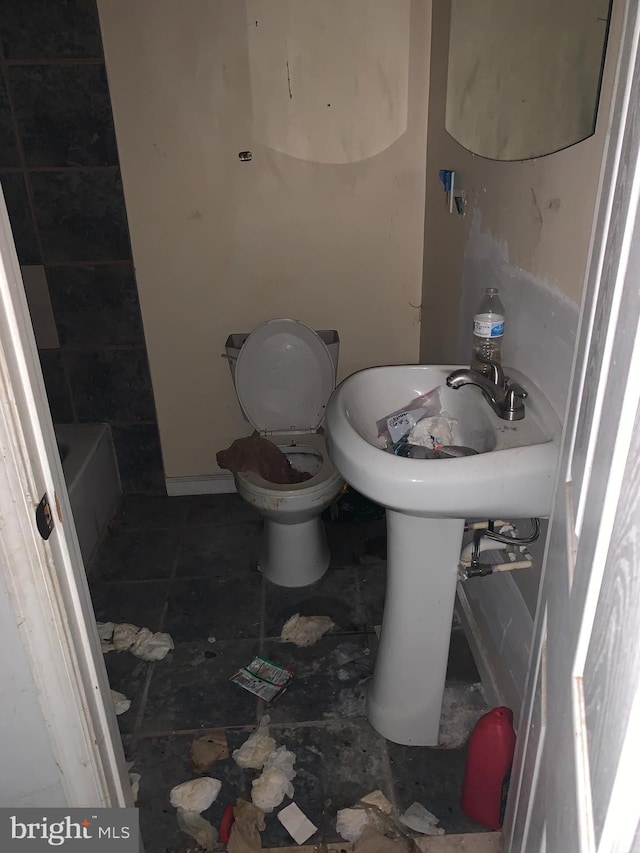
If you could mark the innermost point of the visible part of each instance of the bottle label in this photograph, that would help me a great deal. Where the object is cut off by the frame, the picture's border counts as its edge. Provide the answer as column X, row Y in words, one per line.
column 488, row 325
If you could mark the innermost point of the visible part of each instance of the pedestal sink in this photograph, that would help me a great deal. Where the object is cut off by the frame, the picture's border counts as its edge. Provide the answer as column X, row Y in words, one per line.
column 427, row 501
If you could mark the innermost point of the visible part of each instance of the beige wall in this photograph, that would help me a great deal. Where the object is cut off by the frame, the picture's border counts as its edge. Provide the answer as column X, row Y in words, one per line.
column 325, row 224
column 539, row 211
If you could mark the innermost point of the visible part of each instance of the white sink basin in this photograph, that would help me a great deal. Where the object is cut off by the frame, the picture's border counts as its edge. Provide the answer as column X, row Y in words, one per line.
column 512, row 475
column 427, row 501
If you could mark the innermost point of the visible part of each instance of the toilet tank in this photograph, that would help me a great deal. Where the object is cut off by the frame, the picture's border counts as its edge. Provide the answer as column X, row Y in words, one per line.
column 234, row 343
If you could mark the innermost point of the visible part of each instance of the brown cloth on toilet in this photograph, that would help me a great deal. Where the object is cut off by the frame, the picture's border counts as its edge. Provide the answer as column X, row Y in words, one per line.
column 261, row 456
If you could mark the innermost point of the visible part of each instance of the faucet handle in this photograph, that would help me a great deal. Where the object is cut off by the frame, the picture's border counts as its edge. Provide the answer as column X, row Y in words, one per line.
column 497, row 374
column 514, row 396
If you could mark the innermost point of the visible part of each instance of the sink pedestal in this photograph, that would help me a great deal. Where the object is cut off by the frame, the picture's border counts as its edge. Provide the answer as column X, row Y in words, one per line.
column 405, row 696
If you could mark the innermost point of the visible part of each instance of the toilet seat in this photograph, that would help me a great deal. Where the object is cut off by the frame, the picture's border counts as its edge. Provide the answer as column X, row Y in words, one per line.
column 284, row 376
column 326, row 473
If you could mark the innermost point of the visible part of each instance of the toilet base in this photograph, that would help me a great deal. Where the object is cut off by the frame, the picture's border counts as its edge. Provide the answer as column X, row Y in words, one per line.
column 294, row 555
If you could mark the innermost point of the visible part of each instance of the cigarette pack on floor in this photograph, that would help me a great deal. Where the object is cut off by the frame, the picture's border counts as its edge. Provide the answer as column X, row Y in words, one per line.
column 263, row 678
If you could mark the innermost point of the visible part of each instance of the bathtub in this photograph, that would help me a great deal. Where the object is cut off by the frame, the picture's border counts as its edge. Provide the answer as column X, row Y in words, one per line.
column 91, row 473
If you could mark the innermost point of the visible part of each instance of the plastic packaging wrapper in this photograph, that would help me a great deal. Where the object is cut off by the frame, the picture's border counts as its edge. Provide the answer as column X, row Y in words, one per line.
column 393, row 426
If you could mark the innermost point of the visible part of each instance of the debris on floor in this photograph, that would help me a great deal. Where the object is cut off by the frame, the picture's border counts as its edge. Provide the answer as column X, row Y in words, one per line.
column 211, row 640
column 245, row 830
column 377, row 799
column 306, row 630
column 373, row 841
column 191, row 798
column 421, row 820
column 296, row 823
column 196, row 795
column 199, row 828
column 120, row 702
column 141, row 642
column 263, row 678
column 205, row 750
column 135, row 778
column 270, row 788
column 226, row 823
column 370, row 811
column 257, row 748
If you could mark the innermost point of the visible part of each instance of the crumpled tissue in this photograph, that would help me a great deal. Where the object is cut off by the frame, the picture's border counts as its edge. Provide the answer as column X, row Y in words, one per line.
column 191, row 798
column 195, row 795
column 270, row 788
column 198, row 828
column 257, row 748
column 141, row 642
column 305, row 630
column 120, row 702
column 433, row 432
column 350, row 823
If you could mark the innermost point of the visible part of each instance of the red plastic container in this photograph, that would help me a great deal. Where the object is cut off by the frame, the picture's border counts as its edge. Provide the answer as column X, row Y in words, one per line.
column 489, row 759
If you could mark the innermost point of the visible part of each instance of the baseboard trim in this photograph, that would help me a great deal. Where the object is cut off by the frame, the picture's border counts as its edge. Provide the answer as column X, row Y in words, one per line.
column 213, row 484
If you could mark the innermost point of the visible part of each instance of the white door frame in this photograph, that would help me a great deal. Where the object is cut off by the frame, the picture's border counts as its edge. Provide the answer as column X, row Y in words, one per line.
column 574, row 780
column 46, row 579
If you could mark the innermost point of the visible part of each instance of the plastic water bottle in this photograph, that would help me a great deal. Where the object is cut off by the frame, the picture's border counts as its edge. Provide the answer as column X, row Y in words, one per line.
column 488, row 331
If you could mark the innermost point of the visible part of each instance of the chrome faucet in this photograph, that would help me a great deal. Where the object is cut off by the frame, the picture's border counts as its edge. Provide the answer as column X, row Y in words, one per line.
column 504, row 397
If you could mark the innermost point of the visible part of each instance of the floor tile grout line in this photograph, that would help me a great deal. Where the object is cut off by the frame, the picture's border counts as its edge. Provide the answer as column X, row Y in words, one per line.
column 163, row 615
column 248, row 727
column 143, row 703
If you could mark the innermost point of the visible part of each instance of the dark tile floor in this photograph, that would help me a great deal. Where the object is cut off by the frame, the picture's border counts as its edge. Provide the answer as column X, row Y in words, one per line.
column 188, row 566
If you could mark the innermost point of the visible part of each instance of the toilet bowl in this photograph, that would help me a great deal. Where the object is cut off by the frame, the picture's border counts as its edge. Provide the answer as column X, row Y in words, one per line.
column 284, row 373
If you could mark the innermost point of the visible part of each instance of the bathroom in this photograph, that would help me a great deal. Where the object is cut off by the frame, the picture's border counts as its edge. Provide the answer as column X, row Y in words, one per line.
column 364, row 252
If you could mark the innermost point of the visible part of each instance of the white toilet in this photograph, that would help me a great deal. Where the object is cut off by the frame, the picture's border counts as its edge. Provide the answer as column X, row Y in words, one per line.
column 284, row 373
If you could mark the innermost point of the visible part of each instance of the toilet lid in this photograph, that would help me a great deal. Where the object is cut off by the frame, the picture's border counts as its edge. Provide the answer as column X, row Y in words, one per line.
column 284, row 377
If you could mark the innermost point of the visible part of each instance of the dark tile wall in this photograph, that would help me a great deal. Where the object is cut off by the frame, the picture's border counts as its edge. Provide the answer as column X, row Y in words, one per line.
column 60, row 176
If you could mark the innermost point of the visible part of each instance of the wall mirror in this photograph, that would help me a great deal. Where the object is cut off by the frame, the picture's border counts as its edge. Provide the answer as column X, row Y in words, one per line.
column 524, row 77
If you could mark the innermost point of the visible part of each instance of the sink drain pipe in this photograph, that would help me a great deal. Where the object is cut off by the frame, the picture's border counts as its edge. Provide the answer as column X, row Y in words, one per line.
column 491, row 542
